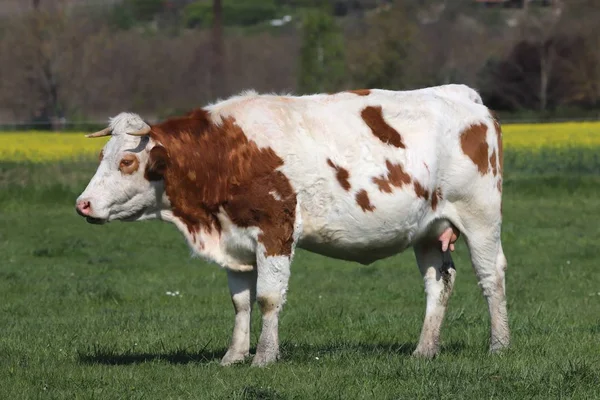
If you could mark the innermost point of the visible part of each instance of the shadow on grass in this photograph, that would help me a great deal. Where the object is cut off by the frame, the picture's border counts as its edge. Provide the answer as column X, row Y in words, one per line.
column 290, row 352
column 301, row 352
column 105, row 356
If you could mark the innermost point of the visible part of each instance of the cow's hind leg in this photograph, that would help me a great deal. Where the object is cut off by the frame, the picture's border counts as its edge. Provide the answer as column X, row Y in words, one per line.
column 242, row 286
column 490, row 265
column 438, row 276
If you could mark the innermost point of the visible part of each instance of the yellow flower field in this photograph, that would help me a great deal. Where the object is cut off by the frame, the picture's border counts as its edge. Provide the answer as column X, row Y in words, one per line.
column 42, row 146
column 46, row 147
column 554, row 135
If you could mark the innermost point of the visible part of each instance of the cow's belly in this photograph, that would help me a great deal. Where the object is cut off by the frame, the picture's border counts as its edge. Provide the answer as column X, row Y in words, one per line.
column 355, row 235
column 366, row 253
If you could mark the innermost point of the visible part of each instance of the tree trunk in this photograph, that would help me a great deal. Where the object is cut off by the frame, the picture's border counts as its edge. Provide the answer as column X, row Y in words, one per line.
column 217, row 78
column 546, row 64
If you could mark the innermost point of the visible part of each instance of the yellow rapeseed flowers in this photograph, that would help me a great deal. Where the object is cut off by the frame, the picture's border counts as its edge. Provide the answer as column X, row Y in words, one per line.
column 43, row 147
column 46, row 147
column 554, row 135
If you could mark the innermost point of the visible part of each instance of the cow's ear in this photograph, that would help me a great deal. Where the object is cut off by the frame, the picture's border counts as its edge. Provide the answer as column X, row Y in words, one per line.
column 157, row 164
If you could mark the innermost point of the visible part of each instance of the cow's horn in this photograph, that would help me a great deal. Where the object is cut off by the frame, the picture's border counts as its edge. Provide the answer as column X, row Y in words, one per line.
column 142, row 132
column 103, row 132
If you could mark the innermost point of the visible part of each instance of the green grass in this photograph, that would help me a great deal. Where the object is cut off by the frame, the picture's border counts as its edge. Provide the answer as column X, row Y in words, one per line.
column 84, row 311
column 553, row 161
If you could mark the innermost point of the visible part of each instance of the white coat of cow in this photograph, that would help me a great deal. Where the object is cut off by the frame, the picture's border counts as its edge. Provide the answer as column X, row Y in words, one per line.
column 358, row 175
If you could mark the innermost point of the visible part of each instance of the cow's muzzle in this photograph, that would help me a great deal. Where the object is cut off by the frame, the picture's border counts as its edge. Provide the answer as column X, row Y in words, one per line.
column 84, row 208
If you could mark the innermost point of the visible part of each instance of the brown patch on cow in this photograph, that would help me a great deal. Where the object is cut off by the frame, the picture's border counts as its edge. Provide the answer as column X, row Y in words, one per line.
column 361, row 92
column 362, row 198
column 498, row 130
column 129, row 164
column 255, row 206
column 436, row 198
column 500, row 149
column 420, row 190
column 373, row 117
column 383, row 183
column 209, row 167
column 157, row 164
column 396, row 176
column 101, row 156
column 493, row 163
column 474, row 145
column 341, row 174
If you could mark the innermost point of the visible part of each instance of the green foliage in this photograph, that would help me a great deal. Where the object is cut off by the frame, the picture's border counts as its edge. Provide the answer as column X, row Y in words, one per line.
column 127, row 14
column 235, row 12
column 322, row 64
column 380, row 57
column 121, row 17
column 145, row 10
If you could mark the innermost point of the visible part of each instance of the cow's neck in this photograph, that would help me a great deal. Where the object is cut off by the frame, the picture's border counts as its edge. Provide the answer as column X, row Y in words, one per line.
column 206, row 241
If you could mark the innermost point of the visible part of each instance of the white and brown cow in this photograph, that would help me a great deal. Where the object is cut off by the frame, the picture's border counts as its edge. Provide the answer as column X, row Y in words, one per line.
column 358, row 176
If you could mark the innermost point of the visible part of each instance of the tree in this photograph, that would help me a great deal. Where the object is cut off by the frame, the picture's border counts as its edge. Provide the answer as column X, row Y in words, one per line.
column 321, row 54
column 583, row 71
column 43, row 55
column 553, row 63
column 379, row 54
column 539, row 27
column 37, row 66
column 217, row 78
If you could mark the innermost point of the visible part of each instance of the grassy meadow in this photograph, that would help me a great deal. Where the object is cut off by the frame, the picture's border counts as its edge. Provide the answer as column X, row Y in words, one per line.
column 122, row 311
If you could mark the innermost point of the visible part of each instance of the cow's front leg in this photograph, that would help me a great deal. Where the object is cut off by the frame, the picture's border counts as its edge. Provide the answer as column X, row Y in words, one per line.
column 271, row 288
column 242, row 286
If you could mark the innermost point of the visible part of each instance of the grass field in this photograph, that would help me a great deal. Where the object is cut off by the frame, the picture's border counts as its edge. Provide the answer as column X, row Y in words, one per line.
column 85, row 313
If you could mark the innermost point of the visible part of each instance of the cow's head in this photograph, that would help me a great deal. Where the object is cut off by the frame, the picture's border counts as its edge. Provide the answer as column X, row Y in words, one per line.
column 128, row 183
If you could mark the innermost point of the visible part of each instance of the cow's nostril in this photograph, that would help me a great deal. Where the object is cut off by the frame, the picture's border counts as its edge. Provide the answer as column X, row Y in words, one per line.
column 83, row 208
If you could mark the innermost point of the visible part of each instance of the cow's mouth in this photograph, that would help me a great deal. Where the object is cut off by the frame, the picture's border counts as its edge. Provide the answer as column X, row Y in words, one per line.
column 133, row 217
column 95, row 221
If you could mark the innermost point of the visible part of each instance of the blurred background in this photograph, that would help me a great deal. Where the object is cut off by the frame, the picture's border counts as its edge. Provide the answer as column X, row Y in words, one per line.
column 123, row 311
column 70, row 64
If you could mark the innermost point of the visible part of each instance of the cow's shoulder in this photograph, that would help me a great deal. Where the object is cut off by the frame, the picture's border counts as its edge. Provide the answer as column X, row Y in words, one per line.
column 213, row 167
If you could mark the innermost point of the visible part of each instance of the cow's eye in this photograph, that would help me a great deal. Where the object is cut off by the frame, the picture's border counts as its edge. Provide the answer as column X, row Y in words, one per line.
column 128, row 164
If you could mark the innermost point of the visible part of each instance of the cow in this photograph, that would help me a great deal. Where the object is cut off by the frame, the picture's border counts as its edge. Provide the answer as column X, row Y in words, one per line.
column 359, row 175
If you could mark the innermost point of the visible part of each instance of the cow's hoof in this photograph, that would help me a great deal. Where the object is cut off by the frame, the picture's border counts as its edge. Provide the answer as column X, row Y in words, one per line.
column 498, row 346
column 264, row 359
column 422, row 352
column 233, row 357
